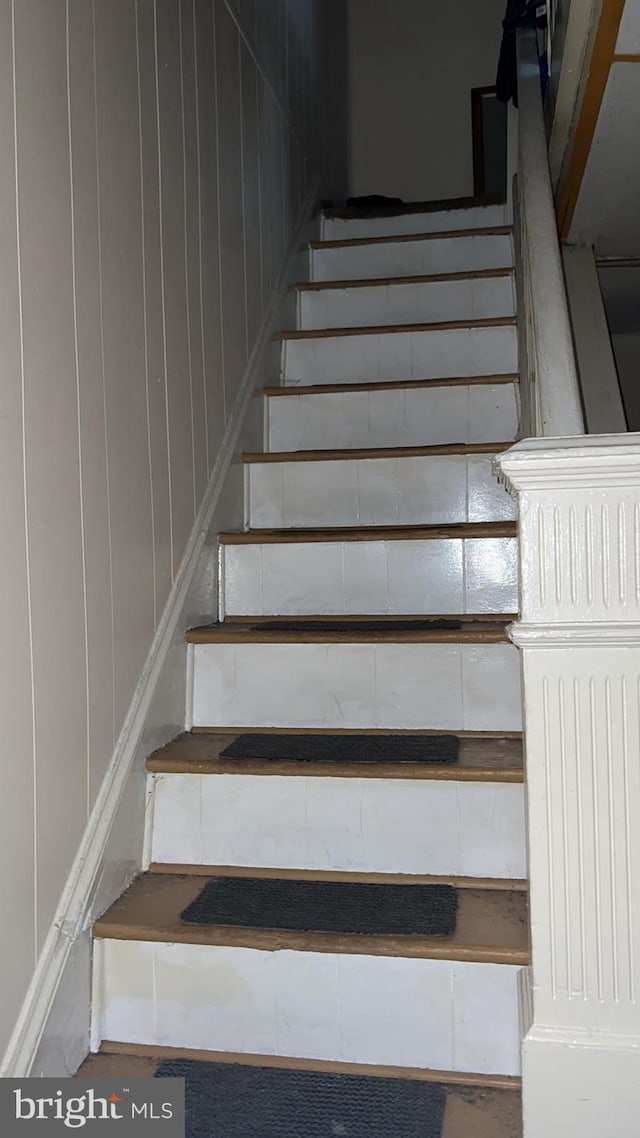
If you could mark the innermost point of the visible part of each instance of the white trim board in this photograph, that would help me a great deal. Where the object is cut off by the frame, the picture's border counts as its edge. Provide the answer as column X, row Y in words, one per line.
column 96, row 879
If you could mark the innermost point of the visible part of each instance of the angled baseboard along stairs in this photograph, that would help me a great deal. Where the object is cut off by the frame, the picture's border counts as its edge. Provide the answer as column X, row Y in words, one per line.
column 335, row 907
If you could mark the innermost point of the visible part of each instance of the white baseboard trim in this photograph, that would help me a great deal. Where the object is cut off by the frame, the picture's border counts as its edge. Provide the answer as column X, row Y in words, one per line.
column 76, row 910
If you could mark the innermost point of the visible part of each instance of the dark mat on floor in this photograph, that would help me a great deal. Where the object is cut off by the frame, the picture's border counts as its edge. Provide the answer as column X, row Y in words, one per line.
column 346, row 748
column 236, row 1101
column 359, row 625
column 325, row 906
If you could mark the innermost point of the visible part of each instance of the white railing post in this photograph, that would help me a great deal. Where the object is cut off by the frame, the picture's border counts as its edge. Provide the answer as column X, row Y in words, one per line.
column 579, row 635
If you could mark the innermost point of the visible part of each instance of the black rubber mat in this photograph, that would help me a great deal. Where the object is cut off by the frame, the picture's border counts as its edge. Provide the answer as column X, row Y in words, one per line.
column 359, row 625
column 346, row 748
column 234, row 1101
column 325, row 906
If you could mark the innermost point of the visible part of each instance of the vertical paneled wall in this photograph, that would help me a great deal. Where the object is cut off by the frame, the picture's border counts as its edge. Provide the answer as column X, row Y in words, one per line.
column 154, row 159
column 412, row 67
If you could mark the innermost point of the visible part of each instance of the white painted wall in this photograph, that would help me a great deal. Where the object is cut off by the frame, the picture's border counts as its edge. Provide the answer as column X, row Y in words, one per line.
column 155, row 156
column 626, row 348
column 411, row 69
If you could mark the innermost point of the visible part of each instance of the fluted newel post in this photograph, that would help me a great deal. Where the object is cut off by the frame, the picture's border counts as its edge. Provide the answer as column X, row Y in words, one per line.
column 579, row 635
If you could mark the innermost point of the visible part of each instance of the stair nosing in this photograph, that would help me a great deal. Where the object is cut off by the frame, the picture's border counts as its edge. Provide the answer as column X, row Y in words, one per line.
column 418, row 278
column 338, row 876
column 399, row 329
column 398, row 772
column 329, row 1066
column 276, row 391
column 336, row 944
column 437, row 450
column 460, row 531
column 200, row 752
column 386, row 239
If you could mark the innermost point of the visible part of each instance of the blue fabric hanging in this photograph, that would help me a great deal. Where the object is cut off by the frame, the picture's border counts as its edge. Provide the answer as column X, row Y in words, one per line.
column 519, row 14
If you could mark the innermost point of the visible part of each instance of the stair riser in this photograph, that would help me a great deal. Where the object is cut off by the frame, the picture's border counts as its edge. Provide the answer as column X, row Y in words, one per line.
column 454, row 686
column 362, row 825
column 376, row 491
column 359, row 1009
column 407, row 303
column 341, row 229
column 412, row 258
column 393, row 417
column 392, row 356
column 472, row 575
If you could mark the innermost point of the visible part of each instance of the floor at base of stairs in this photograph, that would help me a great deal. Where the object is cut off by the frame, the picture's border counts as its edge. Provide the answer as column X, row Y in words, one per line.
column 476, row 1106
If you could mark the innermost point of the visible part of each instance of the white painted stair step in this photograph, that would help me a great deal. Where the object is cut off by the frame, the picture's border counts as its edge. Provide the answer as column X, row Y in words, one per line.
column 415, row 256
column 399, row 490
column 393, row 576
column 455, row 686
column 399, row 355
column 405, row 302
column 431, row 221
column 368, row 825
column 391, row 417
column 411, row 1002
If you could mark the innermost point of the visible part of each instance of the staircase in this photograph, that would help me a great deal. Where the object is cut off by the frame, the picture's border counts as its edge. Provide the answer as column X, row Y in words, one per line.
column 355, row 710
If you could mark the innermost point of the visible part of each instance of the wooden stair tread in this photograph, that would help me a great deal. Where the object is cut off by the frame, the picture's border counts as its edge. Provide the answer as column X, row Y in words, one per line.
column 478, row 630
column 435, row 451
column 491, row 926
column 274, row 391
column 391, row 329
column 480, row 760
column 428, row 278
column 482, row 1106
column 444, row 234
column 457, row 530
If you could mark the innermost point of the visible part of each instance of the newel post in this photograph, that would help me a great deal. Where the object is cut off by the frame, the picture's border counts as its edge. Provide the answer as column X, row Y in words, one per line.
column 579, row 636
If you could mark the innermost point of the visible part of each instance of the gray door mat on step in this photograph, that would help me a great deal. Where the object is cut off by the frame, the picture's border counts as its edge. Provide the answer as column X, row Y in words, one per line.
column 325, row 906
column 237, row 1101
column 346, row 748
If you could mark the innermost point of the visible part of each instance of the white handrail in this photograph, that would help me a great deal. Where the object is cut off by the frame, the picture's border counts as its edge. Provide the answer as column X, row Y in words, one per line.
column 555, row 404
